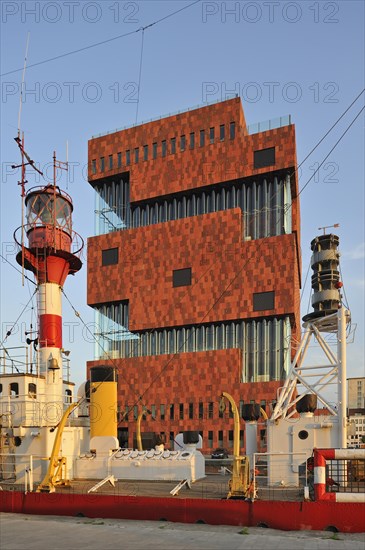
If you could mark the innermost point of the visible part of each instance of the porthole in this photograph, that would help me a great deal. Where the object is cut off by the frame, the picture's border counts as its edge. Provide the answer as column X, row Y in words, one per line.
column 303, row 434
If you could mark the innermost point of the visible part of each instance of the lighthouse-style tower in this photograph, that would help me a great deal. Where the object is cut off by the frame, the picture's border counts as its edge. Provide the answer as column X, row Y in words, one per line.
column 50, row 254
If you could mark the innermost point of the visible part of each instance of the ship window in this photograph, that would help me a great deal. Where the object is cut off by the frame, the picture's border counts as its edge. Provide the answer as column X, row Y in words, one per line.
column 68, row 398
column 14, row 389
column 181, row 277
column 263, row 300
column 264, row 157
column 1, row 390
column 32, row 390
column 109, row 256
column 303, row 434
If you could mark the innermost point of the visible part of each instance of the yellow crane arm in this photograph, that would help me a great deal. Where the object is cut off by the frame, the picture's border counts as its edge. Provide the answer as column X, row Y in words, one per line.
column 48, row 483
column 239, row 483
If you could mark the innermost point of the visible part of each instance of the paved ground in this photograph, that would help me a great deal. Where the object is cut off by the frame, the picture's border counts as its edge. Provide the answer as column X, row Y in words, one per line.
column 20, row 532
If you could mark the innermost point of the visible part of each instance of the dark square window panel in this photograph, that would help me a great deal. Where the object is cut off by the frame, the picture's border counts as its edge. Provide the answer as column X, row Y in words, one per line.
column 265, row 157
column 263, row 300
column 109, row 256
column 181, row 277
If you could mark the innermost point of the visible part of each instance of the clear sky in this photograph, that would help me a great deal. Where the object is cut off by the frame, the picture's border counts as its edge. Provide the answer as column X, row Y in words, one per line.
column 303, row 58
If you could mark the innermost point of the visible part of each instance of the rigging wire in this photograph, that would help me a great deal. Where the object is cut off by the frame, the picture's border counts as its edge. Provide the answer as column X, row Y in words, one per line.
column 18, row 270
column 14, row 324
column 332, row 149
column 140, row 75
column 77, row 314
column 330, row 130
column 102, row 42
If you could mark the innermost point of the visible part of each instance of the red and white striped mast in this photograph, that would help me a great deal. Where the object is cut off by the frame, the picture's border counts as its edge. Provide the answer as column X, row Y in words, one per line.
column 50, row 256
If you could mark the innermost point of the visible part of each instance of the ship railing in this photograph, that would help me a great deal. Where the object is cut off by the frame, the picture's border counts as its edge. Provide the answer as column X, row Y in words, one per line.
column 18, row 360
column 278, row 476
column 19, row 468
column 339, row 475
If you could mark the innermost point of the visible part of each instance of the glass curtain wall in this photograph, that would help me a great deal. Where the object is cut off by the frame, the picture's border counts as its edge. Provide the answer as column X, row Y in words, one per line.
column 265, row 205
column 265, row 343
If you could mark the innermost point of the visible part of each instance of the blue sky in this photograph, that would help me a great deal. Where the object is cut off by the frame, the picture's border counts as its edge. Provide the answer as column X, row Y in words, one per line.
column 300, row 58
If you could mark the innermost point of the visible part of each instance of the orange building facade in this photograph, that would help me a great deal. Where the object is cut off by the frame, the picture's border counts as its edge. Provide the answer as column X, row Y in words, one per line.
column 194, row 272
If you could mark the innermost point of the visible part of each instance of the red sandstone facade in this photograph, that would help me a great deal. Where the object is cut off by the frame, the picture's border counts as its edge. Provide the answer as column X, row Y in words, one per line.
column 232, row 274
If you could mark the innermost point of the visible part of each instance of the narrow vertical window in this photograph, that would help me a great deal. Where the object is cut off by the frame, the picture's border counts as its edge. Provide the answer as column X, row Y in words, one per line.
column 222, row 131
column 145, row 152
column 14, row 389
column 182, row 143
column 110, row 162
column 191, row 411
column 154, row 150
column 119, row 160
column 181, row 411
column 202, row 138
column 164, row 148
column 68, row 396
column 232, row 130
column 93, row 166
column 172, row 412
column 128, row 157
column 201, row 411
column 162, row 412
column 136, row 155
column 192, row 140
column 173, row 146
column 211, row 410
column 211, row 135
column 102, row 164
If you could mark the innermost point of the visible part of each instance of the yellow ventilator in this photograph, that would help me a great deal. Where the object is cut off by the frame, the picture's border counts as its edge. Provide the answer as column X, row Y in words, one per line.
column 103, row 402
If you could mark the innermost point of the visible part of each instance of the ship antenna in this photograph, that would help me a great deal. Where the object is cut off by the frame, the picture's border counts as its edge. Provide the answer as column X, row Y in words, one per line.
column 22, row 85
column 24, row 157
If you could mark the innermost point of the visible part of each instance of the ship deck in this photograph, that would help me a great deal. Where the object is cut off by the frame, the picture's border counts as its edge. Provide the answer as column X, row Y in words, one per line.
column 213, row 486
